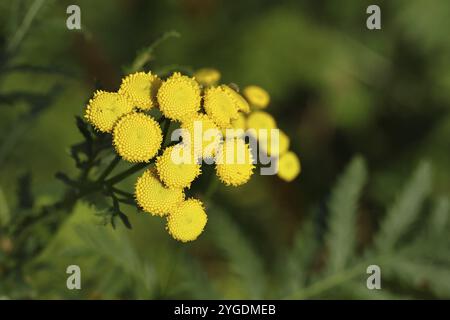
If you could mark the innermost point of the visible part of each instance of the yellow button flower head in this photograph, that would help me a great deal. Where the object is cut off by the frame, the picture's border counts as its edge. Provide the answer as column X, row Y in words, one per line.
column 257, row 97
column 220, row 107
column 288, row 166
column 259, row 120
column 277, row 149
column 176, row 171
column 208, row 138
column 105, row 108
column 238, row 123
column 240, row 102
column 141, row 88
column 152, row 196
column 187, row 220
column 234, row 162
column 207, row 76
column 179, row 97
column 137, row 137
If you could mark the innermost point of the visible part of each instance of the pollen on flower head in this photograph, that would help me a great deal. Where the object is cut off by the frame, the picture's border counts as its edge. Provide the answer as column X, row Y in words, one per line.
column 141, row 88
column 179, row 97
column 261, row 120
column 176, row 167
column 153, row 197
column 220, row 107
column 240, row 102
column 207, row 76
column 137, row 137
column 272, row 148
column 187, row 220
column 105, row 108
column 202, row 135
column 288, row 166
column 257, row 97
column 234, row 162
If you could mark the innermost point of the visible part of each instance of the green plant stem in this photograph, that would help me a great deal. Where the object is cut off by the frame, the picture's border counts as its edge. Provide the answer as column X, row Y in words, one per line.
column 26, row 23
column 126, row 173
column 109, row 169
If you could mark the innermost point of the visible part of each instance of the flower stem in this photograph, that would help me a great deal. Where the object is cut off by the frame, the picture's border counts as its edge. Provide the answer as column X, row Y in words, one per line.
column 109, row 169
column 126, row 173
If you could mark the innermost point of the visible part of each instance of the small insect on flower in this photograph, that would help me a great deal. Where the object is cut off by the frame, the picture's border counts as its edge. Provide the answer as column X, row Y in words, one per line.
column 207, row 76
column 141, row 89
column 257, row 97
column 179, row 97
column 220, row 107
column 234, row 162
column 153, row 197
column 288, row 166
column 187, row 220
column 176, row 167
column 240, row 102
column 202, row 135
column 137, row 137
column 105, row 108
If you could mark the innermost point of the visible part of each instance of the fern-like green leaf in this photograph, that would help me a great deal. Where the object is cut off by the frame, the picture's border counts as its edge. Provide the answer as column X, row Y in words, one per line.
column 244, row 262
column 342, row 214
column 405, row 209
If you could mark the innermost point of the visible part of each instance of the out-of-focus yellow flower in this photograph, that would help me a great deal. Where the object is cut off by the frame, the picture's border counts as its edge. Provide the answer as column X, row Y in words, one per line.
column 179, row 97
column 207, row 76
column 261, row 120
column 257, row 97
column 240, row 102
column 289, row 166
column 137, row 137
column 220, row 107
column 187, row 220
column 174, row 170
column 275, row 149
column 234, row 162
column 153, row 197
column 237, row 125
column 105, row 108
column 202, row 135
column 141, row 88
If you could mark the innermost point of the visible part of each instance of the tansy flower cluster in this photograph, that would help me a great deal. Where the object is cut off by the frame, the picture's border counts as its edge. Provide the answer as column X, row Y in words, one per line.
column 187, row 101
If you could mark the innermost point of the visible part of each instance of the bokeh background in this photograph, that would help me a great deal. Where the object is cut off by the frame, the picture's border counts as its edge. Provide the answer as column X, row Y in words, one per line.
column 339, row 90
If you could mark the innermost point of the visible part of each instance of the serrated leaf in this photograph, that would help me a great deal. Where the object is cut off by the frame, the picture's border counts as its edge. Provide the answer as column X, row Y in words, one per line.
column 342, row 206
column 405, row 209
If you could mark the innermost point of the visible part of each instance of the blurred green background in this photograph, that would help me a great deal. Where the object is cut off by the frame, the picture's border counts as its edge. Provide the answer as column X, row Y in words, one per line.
column 338, row 89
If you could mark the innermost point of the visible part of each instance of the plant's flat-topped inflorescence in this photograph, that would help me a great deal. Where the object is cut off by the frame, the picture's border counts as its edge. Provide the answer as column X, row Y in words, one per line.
column 212, row 119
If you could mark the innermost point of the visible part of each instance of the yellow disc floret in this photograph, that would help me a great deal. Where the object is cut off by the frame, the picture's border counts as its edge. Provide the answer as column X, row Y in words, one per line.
column 273, row 147
column 236, row 129
column 105, row 108
column 207, row 76
column 220, row 107
column 179, row 97
column 141, row 88
column 153, row 197
column 240, row 102
column 260, row 123
column 176, row 167
column 202, row 135
column 187, row 220
column 288, row 166
column 256, row 96
column 137, row 137
column 234, row 162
